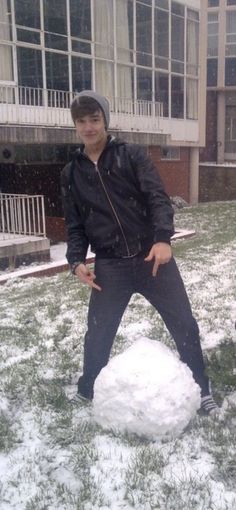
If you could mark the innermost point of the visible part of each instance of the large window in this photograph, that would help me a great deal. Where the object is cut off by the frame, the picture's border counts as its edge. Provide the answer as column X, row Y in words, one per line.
column 57, row 71
column 55, row 19
column 6, row 57
column 80, row 19
column 161, row 39
column 124, row 30
column 177, row 97
column 81, row 73
column 144, row 34
column 29, row 63
column 230, row 49
column 27, row 13
column 132, row 49
column 177, row 38
column 162, row 91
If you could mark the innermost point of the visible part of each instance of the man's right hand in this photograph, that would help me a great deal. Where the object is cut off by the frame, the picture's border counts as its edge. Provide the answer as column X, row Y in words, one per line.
column 86, row 275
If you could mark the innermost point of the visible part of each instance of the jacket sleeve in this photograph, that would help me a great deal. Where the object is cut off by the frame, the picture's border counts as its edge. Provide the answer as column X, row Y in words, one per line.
column 157, row 201
column 77, row 241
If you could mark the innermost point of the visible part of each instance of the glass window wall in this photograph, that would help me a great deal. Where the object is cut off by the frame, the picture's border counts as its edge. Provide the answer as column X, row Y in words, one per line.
column 154, row 59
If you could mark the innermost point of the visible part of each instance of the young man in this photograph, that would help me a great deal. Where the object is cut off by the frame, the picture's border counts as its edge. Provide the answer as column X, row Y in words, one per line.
column 114, row 200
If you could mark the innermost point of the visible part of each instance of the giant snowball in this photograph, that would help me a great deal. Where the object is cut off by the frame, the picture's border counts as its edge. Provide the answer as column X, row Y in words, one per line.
column 146, row 390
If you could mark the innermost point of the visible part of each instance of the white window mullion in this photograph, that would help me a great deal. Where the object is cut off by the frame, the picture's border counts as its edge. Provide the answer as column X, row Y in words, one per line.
column 135, row 47
column 92, row 7
column 69, row 46
column 153, row 53
column 115, row 52
column 169, row 65
column 14, row 50
column 185, row 62
column 43, row 51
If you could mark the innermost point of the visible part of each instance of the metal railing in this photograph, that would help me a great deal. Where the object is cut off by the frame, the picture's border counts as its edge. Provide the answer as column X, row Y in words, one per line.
column 27, row 105
column 22, row 215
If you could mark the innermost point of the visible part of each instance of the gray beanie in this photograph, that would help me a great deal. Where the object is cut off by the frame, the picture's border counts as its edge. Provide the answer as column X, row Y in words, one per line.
column 101, row 100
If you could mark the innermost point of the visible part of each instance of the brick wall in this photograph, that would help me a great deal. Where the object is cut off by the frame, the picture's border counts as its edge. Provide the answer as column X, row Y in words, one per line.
column 217, row 183
column 174, row 173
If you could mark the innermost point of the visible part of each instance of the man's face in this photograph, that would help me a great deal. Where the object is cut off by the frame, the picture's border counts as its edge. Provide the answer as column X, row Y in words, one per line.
column 91, row 129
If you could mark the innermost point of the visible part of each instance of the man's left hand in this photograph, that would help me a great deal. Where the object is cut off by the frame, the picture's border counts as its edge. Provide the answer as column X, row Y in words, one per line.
column 161, row 253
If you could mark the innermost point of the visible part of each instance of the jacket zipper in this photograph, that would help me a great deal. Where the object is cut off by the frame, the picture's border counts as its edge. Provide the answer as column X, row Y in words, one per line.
column 112, row 208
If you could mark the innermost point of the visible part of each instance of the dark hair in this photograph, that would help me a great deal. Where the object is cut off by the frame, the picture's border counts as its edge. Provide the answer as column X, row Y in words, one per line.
column 82, row 106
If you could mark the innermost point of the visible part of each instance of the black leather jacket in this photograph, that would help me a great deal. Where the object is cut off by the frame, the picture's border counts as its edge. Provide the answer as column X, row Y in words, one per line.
column 118, row 206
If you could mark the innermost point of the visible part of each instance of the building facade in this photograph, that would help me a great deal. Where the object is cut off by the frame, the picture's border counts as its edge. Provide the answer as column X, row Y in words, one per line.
column 146, row 56
column 221, row 82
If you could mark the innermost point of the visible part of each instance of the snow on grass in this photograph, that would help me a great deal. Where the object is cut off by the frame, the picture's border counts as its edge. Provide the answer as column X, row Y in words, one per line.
column 52, row 454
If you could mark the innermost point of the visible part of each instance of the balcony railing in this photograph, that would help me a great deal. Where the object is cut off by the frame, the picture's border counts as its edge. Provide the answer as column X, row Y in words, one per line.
column 43, row 107
column 22, row 215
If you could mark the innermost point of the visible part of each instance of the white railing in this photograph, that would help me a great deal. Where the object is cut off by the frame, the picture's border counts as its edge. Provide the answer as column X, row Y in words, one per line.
column 26, row 105
column 22, row 215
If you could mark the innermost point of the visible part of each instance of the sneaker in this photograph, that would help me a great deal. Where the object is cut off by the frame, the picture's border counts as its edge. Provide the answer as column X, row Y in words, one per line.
column 80, row 399
column 208, row 406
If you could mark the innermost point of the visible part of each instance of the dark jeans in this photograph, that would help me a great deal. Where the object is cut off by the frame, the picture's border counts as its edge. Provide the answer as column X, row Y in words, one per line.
column 119, row 279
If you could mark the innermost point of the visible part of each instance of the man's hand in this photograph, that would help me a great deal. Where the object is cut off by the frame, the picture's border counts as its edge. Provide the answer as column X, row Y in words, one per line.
column 86, row 275
column 162, row 254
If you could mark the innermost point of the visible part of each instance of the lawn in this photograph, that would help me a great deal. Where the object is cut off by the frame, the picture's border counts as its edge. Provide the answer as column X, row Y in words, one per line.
column 52, row 454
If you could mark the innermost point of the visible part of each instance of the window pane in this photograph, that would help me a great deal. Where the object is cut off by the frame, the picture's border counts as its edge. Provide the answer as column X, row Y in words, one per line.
column 230, row 49
column 144, row 84
column 178, row 9
column 55, row 16
column 104, row 75
column 58, row 42
column 230, row 71
column 212, row 69
column 29, row 62
column 81, row 74
column 164, row 4
column 177, row 38
column 6, row 69
column 124, row 30
column 212, row 46
column 104, row 29
column 192, row 99
column 28, row 36
column 169, row 152
column 80, row 19
column 144, row 34
column 177, row 67
column 81, row 47
column 177, row 97
column 162, row 91
column 231, row 22
column 27, row 13
column 213, row 3
column 5, row 21
column 231, row 2
column 125, row 82
column 57, row 71
column 161, row 24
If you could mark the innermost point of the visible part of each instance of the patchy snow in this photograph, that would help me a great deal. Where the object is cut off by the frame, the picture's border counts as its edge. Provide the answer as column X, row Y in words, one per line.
column 52, row 453
column 146, row 390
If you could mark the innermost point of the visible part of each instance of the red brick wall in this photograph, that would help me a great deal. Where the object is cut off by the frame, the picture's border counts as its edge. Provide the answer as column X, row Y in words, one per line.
column 55, row 228
column 175, row 173
column 209, row 152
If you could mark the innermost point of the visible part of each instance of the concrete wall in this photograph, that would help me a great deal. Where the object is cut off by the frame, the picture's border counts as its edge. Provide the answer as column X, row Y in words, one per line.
column 209, row 152
column 217, row 182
